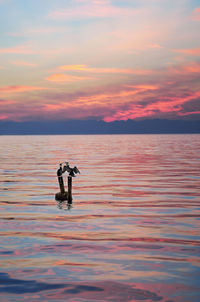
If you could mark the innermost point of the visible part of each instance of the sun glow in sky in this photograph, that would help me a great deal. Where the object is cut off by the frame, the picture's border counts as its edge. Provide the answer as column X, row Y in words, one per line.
column 102, row 59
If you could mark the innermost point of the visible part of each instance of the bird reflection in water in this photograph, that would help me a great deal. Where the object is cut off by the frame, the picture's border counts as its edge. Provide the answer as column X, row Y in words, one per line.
column 64, row 205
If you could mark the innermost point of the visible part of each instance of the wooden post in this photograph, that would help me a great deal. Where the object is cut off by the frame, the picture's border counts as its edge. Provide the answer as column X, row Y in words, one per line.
column 62, row 195
column 61, row 184
column 69, row 188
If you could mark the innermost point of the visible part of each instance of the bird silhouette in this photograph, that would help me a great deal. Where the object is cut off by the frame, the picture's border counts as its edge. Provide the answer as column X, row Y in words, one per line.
column 71, row 171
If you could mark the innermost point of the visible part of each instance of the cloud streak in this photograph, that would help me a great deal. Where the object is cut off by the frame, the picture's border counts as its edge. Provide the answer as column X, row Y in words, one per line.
column 91, row 9
column 85, row 68
column 61, row 77
column 191, row 51
column 24, row 63
column 18, row 89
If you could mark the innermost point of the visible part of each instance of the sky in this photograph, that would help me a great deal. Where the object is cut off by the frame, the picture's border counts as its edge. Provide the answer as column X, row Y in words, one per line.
column 105, row 60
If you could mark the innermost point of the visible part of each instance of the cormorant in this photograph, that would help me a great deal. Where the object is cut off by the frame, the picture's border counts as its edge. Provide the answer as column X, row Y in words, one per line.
column 71, row 171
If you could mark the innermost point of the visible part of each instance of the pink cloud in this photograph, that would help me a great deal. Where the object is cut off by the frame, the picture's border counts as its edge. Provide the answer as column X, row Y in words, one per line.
column 189, row 68
column 18, row 110
column 154, row 45
column 196, row 14
column 189, row 51
column 127, row 103
column 97, row 9
column 188, row 113
column 3, row 117
column 96, row 104
column 18, row 89
column 102, row 103
column 156, row 108
column 163, row 93
column 144, row 87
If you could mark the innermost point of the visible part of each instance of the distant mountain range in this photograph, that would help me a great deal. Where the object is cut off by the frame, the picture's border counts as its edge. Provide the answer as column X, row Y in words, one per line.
column 150, row 126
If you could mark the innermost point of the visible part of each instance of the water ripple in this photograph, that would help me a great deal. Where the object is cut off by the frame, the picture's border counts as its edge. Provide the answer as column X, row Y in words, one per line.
column 130, row 234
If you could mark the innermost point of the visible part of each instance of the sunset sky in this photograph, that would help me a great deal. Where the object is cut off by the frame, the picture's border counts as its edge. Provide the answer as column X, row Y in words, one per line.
column 99, row 59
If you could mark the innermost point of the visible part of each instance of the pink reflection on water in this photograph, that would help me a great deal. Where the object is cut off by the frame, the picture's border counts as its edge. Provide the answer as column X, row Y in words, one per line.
column 132, row 233
column 115, row 291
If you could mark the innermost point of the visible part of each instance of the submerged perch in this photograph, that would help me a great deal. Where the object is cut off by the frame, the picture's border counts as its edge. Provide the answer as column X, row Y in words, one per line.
column 65, row 195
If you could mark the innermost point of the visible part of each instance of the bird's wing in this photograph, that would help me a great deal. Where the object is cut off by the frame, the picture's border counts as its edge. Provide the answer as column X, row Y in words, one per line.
column 76, row 170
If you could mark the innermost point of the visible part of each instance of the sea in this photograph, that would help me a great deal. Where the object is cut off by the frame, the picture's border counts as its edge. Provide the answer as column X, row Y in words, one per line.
column 131, row 232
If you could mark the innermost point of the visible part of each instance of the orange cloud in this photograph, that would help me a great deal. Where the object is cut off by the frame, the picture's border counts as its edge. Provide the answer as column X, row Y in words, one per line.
column 85, row 68
column 60, row 77
column 74, row 67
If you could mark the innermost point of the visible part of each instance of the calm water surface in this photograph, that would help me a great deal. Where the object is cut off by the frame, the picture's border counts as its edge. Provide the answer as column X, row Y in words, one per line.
column 132, row 233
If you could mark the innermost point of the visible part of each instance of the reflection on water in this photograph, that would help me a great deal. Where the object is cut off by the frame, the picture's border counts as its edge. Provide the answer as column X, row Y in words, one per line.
column 131, row 233
column 64, row 205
